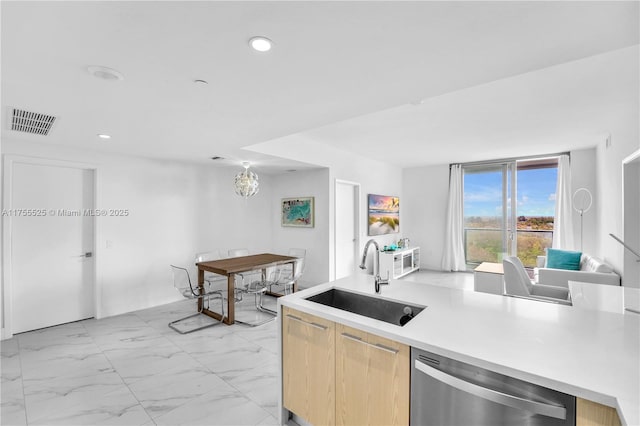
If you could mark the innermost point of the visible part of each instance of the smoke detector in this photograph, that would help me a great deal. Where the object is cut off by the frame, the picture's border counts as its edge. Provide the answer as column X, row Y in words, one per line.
column 105, row 73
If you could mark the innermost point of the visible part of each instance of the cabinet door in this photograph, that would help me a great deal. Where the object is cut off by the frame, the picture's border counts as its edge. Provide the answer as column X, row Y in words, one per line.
column 308, row 364
column 387, row 265
column 372, row 379
column 589, row 413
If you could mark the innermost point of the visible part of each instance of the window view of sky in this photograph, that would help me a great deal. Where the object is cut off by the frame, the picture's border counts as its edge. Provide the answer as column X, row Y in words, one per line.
column 536, row 193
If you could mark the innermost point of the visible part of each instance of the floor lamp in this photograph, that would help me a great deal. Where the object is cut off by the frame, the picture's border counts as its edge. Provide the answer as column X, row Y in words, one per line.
column 582, row 201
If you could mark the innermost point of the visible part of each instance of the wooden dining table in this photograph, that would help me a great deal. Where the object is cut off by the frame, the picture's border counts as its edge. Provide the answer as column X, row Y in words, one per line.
column 237, row 265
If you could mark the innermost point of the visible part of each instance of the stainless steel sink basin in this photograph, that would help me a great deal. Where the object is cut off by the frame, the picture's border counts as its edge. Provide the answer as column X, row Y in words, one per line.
column 397, row 313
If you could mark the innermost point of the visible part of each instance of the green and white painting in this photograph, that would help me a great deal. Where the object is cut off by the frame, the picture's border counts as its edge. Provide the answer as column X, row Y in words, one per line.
column 297, row 212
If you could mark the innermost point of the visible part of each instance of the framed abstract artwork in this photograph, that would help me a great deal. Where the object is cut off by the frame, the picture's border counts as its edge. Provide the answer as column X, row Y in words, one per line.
column 297, row 212
column 384, row 214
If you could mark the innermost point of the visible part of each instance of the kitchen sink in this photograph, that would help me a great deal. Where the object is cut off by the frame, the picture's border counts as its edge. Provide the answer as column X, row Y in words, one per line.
column 397, row 313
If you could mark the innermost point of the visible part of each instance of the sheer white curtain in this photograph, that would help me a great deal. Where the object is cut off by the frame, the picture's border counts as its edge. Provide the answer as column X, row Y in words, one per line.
column 563, row 224
column 453, row 256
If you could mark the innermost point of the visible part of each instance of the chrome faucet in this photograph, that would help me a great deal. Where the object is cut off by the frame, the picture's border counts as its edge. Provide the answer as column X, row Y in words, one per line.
column 377, row 280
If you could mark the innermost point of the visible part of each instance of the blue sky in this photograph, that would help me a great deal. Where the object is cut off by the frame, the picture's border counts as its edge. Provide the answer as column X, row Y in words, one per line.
column 535, row 197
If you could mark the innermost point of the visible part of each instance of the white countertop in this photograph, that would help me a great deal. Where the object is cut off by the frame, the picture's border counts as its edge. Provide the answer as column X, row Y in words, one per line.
column 603, row 297
column 591, row 354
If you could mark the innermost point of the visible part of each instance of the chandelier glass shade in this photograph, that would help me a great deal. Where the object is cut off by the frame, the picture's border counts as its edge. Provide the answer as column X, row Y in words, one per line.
column 246, row 182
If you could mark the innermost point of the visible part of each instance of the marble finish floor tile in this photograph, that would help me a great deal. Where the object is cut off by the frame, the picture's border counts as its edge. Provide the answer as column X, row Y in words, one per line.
column 118, row 407
column 59, row 399
column 12, row 408
column 138, row 364
column 222, row 406
column 132, row 369
column 268, row 421
column 163, row 392
column 258, row 385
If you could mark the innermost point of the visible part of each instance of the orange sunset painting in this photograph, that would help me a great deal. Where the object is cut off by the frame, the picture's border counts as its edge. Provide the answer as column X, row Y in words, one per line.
column 384, row 214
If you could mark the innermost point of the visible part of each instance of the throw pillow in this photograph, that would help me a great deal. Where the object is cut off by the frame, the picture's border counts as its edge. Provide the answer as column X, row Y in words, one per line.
column 563, row 259
column 596, row 265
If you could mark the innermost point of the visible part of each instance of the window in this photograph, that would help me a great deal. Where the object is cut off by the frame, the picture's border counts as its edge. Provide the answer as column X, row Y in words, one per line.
column 509, row 209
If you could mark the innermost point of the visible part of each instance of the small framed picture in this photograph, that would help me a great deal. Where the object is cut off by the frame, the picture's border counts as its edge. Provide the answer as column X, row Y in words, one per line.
column 297, row 212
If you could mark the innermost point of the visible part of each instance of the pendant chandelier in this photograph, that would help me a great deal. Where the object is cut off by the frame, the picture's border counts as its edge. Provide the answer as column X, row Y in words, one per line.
column 246, row 182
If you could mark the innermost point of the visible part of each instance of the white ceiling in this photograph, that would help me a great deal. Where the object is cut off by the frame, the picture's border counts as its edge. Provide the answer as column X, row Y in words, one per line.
column 341, row 73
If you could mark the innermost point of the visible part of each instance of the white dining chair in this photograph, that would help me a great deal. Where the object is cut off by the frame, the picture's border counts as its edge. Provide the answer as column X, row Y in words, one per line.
column 214, row 280
column 182, row 282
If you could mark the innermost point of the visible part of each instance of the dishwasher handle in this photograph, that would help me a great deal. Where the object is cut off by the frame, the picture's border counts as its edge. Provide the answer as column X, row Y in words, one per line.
column 558, row 412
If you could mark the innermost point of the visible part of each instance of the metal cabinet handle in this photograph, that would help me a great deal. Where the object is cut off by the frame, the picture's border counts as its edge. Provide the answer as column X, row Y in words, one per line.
column 373, row 345
column 556, row 411
column 312, row 324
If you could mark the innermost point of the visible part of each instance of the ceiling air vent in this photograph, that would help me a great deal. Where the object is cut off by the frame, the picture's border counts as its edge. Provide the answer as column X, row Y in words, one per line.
column 31, row 122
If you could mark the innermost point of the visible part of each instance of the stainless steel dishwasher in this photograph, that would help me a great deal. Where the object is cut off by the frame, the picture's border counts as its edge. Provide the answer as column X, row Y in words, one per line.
column 445, row 392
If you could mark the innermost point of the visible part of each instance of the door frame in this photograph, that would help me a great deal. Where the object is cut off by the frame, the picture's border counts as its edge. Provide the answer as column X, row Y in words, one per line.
column 356, row 220
column 6, row 307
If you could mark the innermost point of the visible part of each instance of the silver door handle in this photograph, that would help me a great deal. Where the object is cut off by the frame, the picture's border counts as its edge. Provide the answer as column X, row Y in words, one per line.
column 556, row 411
column 312, row 324
column 376, row 345
column 87, row 254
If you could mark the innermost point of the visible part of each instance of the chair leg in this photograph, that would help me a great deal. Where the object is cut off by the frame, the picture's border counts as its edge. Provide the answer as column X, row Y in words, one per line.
column 173, row 324
column 257, row 294
column 261, row 308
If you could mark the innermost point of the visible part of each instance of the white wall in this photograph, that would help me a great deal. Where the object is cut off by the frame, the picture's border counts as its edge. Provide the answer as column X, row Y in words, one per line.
column 374, row 177
column 426, row 191
column 624, row 128
column 583, row 175
column 625, row 140
column 176, row 210
column 179, row 209
column 315, row 240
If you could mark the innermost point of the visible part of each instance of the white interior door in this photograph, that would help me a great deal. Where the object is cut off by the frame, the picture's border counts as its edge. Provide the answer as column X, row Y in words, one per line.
column 346, row 237
column 51, row 273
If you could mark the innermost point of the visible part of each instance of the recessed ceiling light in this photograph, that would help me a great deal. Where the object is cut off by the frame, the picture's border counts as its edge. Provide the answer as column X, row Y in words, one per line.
column 103, row 136
column 105, row 73
column 261, row 44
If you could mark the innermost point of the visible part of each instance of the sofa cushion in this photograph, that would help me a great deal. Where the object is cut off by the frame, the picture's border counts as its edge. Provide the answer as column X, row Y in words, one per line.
column 593, row 264
column 563, row 259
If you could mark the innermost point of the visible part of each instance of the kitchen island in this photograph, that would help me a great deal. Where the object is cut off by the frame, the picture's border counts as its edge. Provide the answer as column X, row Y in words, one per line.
column 592, row 355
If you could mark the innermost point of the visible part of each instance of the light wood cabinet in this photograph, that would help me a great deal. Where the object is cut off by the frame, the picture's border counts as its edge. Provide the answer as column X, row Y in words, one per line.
column 308, row 358
column 589, row 413
column 372, row 379
column 334, row 374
